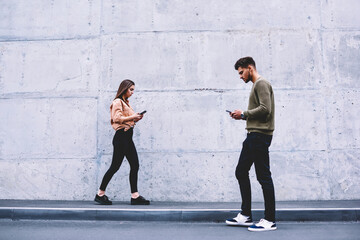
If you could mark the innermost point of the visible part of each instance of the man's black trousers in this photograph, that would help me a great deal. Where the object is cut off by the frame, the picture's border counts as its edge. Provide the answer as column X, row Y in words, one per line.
column 256, row 150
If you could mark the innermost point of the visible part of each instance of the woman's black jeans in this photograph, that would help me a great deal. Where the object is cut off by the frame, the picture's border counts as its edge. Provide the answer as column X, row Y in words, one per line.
column 123, row 147
column 256, row 150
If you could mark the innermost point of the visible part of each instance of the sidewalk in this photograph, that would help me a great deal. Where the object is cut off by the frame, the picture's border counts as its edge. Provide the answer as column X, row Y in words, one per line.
column 345, row 210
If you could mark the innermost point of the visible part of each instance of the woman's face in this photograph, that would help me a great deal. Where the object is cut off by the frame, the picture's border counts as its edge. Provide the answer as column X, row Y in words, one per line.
column 129, row 92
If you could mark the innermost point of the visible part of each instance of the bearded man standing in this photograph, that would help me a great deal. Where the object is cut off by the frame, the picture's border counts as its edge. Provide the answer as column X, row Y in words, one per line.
column 260, row 127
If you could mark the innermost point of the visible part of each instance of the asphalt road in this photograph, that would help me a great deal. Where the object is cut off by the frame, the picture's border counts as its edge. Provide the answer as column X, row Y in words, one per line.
column 45, row 230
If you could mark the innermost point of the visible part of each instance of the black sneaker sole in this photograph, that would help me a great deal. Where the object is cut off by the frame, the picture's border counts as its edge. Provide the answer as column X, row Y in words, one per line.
column 141, row 203
column 101, row 202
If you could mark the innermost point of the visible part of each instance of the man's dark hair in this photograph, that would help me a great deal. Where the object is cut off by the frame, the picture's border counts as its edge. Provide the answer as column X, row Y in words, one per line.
column 245, row 62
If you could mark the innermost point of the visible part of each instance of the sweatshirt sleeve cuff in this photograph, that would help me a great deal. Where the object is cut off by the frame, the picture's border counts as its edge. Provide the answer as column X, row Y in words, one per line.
column 246, row 114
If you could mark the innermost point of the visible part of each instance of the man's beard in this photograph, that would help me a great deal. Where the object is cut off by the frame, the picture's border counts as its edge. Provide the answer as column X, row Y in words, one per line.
column 249, row 78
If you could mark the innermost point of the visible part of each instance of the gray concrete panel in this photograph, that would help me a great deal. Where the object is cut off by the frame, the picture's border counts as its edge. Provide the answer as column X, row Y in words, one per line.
column 157, row 15
column 40, row 19
column 49, row 67
column 341, row 54
column 48, row 128
column 300, row 124
column 344, row 163
column 67, row 179
column 295, row 57
column 301, row 175
column 340, row 14
column 343, row 116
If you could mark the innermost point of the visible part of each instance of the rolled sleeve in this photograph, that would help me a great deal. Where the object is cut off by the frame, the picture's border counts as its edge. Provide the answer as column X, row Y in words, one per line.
column 117, row 113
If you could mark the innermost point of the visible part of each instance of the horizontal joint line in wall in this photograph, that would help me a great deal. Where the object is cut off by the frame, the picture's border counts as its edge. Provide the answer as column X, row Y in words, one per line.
column 48, row 158
column 25, row 96
column 5, row 39
column 17, row 39
column 242, row 31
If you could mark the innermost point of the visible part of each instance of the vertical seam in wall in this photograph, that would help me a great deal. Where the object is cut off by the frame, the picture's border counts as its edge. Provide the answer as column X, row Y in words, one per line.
column 99, row 93
column 324, row 74
column 324, row 93
column 270, row 53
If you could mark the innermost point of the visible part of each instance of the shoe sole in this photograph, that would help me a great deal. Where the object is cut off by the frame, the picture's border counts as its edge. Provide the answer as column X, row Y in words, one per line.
column 261, row 229
column 102, row 203
column 239, row 224
column 140, row 203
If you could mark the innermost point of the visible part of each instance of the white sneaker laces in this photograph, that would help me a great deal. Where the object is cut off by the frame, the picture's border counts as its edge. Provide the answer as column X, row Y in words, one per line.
column 264, row 223
column 241, row 217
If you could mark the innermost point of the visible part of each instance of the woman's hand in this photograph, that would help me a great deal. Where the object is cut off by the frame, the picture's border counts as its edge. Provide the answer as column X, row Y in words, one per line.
column 137, row 117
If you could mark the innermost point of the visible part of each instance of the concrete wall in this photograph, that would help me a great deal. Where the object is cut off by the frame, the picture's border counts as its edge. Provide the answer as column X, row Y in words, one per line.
column 61, row 63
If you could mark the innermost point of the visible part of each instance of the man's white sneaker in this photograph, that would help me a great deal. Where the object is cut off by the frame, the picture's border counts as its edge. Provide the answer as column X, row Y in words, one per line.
column 240, row 220
column 263, row 225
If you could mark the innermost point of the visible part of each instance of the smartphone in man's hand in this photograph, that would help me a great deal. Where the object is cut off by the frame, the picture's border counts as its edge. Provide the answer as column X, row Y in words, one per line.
column 143, row 112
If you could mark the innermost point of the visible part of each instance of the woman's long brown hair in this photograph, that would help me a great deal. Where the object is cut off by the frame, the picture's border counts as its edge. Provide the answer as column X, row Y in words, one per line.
column 124, row 86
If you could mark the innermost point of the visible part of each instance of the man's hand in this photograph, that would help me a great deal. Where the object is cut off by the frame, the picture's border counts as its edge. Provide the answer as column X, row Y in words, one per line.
column 236, row 114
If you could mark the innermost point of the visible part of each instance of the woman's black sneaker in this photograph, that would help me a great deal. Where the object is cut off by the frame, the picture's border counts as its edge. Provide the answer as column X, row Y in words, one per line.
column 139, row 201
column 103, row 200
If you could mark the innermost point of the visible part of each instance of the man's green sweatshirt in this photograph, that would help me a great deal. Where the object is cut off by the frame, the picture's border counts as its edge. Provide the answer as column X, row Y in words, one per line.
column 260, row 116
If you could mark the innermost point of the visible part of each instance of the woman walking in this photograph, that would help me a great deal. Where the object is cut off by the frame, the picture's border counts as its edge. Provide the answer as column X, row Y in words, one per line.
column 123, row 119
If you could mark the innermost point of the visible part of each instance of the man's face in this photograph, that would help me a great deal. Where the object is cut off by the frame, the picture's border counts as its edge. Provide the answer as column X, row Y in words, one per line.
column 245, row 74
